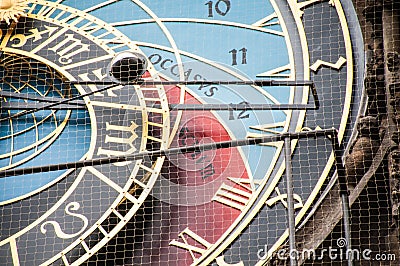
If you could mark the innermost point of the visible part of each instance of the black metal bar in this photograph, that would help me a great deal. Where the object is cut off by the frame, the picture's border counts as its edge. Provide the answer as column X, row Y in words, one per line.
column 53, row 103
column 34, row 106
column 261, row 83
column 315, row 96
column 167, row 152
column 26, row 96
column 290, row 203
column 344, row 195
column 172, row 107
column 239, row 107
column 48, row 106
column 339, row 164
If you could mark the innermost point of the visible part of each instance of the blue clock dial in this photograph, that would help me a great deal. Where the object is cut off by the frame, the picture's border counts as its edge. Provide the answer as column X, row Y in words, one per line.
column 33, row 138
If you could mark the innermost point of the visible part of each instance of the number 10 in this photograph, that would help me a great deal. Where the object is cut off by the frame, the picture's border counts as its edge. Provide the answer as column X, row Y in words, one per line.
column 217, row 7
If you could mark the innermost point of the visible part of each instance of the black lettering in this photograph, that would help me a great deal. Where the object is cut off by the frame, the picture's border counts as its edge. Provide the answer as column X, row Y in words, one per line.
column 187, row 73
column 207, row 171
column 173, row 68
column 244, row 55
column 158, row 59
column 198, row 77
column 201, row 159
column 211, row 92
column 210, row 9
column 234, row 56
column 242, row 115
column 184, row 137
column 227, row 7
column 183, row 132
column 164, row 62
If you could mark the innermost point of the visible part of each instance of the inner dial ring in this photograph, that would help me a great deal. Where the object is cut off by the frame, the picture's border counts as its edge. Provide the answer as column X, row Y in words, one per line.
column 205, row 56
column 42, row 131
column 80, row 47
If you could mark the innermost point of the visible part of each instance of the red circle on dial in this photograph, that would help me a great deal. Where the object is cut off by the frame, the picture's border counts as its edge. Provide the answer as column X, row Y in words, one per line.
column 206, row 192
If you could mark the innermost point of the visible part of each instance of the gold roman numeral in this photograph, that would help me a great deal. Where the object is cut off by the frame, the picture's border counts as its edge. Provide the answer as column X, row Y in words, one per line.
column 185, row 235
column 118, row 140
column 108, row 38
column 283, row 199
column 267, row 22
column 269, row 128
column 112, row 184
column 47, row 11
column 98, row 73
column 273, row 128
column 233, row 196
column 53, row 11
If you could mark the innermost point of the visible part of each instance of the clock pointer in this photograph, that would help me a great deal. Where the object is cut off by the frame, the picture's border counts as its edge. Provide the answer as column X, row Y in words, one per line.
column 50, row 105
column 127, row 68
column 72, row 103
column 331, row 133
column 46, row 99
column 53, row 102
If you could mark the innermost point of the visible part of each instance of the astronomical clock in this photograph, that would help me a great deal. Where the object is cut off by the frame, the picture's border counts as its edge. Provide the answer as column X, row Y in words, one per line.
column 67, row 112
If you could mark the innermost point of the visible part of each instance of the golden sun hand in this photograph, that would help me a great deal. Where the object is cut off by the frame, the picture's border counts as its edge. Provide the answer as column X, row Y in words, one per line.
column 11, row 10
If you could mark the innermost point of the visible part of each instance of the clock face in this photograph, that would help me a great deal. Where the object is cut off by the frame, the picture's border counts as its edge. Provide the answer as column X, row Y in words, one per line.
column 217, row 207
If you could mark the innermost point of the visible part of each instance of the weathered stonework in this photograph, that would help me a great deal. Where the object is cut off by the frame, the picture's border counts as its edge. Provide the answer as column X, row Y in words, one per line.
column 363, row 151
column 374, row 186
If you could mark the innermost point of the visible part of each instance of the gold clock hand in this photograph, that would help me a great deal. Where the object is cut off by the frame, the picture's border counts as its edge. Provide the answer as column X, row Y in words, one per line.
column 48, row 106
column 33, row 106
column 26, row 96
column 214, row 107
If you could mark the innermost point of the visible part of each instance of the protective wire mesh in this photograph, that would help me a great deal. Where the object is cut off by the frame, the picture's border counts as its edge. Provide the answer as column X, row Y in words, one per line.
column 152, row 132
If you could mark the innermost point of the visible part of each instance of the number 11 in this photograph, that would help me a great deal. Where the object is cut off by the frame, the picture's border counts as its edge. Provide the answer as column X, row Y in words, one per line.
column 234, row 53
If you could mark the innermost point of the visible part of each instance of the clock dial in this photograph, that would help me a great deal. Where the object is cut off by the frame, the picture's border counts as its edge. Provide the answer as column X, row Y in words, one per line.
column 212, row 207
column 30, row 139
column 52, row 218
